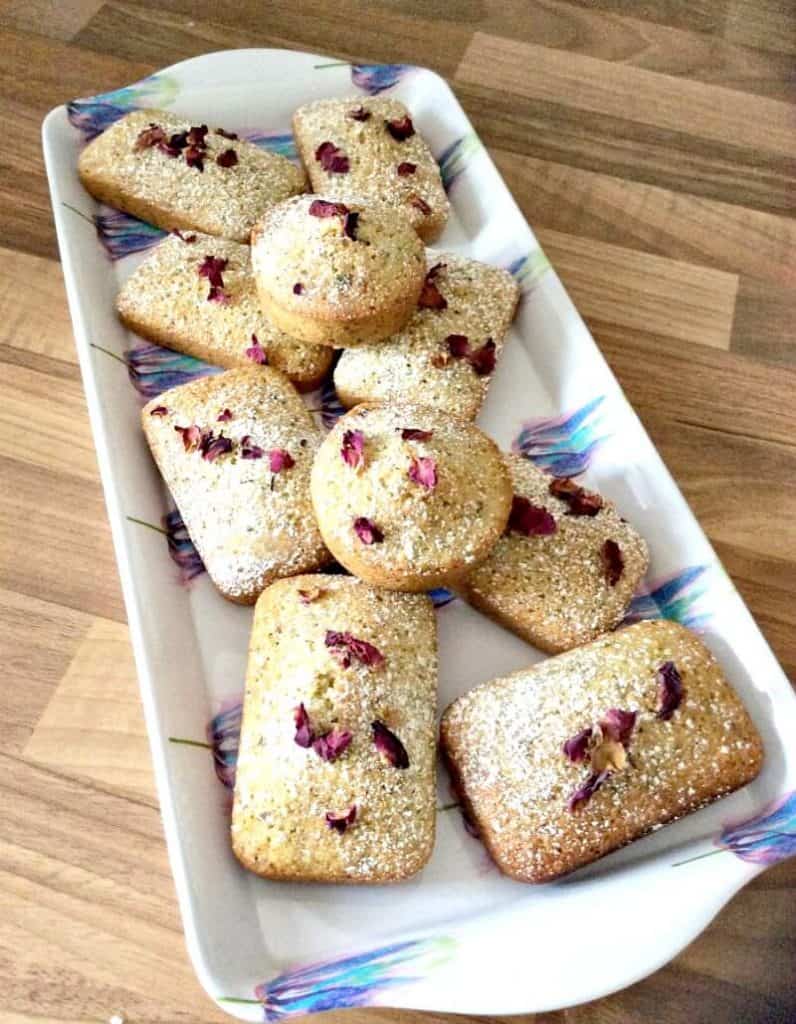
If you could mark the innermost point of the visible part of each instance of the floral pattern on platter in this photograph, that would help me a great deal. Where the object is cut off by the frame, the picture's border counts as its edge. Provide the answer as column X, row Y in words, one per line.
column 223, row 735
column 766, row 838
column 181, row 547
column 563, row 445
column 455, row 158
column 326, row 404
column 676, row 597
column 281, row 143
column 349, row 981
column 529, row 270
column 93, row 114
column 121, row 235
column 440, row 596
column 154, row 369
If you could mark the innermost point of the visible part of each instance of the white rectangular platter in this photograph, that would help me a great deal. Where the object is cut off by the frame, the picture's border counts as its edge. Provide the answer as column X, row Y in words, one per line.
column 458, row 937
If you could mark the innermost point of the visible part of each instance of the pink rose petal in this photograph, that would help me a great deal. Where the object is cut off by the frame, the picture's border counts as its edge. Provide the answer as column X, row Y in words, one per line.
column 213, row 447
column 280, row 460
column 413, row 434
column 227, row 159
column 406, row 168
column 367, row 531
column 670, row 690
column 585, row 792
column 298, row 288
column 154, row 135
column 577, row 746
column 340, row 822
column 353, row 449
column 332, row 744
column 191, row 437
column 224, row 417
column 388, row 744
column 458, row 345
column 303, row 736
column 332, row 159
column 249, row 450
column 344, row 646
column 618, row 725
column 530, row 520
column 400, row 128
column 323, row 208
column 423, row 471
column 256, row 352
column 430, row 296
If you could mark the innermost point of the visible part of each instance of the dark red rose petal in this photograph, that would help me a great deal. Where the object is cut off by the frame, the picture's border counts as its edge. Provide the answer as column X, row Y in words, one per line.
column 188, row 239
column 224, row 417
column 483, row 359
column 332, row 159
column 159, row 410
column 332, row 744
column 213, row 447
column 581, row 502
column 344, row 646
column 423, row 471
column 323, row 208
column 530, row 520
column 195, row 157
column 458, row 345
column 388, row 744
column 419, row 203
column 400, row 128
column 367, row 531
column 218, row 295
column 249, row 450
column 430, row 296
column 585, row 792
column 613, row 562
column 191, row 437
column 436, row 269
column 196, row 136
column 413, row 434
column 577, row 746
column 298, row 288
column 227, row 159
column 151, row 136
column 225, row 134
column 670, row 690
column 211, row 267
column 353, row 449
column 351, row 225
column 618, row 725
column 174, row 145
column 303, row 737
column 359, row 114
column 340, row 822
column 405, row 169
column 279, row 460
column 256, row 352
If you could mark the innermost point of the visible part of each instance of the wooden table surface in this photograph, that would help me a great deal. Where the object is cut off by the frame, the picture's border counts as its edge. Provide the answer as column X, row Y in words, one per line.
column 651, row 146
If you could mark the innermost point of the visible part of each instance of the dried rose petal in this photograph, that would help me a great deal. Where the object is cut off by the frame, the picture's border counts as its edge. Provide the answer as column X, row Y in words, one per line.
column 303, row 737
column 585, row 792
column 413, row 434
column 531, row 520
column 483, row 359
column 359, row 114
column 211, row 267
column 195, row 157
column 151, row 136
column 224, row 417
column 323, row 208
column 191, row 437
column 400, row 128
column 419, row 203
column 613, row 562
column 577, row 746
column 308, row 596
column 225, row 134
column 159, row 410
column 213, row 447
column 618, row 725
column 227, row 159
column 406, row 168
column 279, row 459
column 670, row 690
column 388, row 744
column 353, row 449
column 351, row 225
column 344, row 646
column 430, row 296
column 196, row 136
column 298, row 288
column 458, row 345
column 332, row 744
column 423, row 471
column 188, row 239
column 256, row 352
column 340, row 822
column 249, row 450
column 367, row 531
column 581, row 502
column 174, row 145
column 332, row 159
column 218, row 295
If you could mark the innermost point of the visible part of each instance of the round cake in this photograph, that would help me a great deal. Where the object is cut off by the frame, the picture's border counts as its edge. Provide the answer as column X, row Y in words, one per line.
column 408, row 497
column 337, row 273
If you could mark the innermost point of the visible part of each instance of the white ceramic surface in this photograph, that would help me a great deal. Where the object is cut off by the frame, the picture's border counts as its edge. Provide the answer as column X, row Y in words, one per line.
column 459, row 937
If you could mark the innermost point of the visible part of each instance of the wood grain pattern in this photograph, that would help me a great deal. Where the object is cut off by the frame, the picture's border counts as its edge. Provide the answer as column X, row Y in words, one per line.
column 651, row 145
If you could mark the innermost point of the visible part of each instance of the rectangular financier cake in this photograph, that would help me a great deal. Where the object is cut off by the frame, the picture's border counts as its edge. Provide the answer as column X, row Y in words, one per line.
column 196, row 294
column 336, row 770
column 570, row 759
column 163, row 169
column 566, row 568
column 446, row 354
column 235, row 450
column 370, row 148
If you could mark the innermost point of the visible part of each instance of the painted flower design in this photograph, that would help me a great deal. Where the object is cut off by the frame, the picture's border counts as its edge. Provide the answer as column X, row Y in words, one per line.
column 93, row 114
column 281, row 143
column 181, row 547
column 563, row 445
column 677, row 597
column 454, row 158
column 223, row 735
column 331, row 408
column 376, row 78
column 529, row 270
column 768, row 837
column 121, row 235
column 440, row 596
column 153, row 369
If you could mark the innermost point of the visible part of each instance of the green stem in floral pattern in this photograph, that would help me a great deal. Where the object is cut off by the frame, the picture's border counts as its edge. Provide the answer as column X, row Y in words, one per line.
column 108, row 352
column 334, row 64
column 701, row 856
column 234, row 999
column 80, row 213
column 189, row 743
column 150, row 526
column 448, row 807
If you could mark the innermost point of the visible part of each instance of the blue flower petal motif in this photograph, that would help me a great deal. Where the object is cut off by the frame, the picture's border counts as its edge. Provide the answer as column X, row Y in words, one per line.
column 121, row 234
column 351, row 981
column 768, row 837
column 223, row 735
column 94, row 114
column 154, row 370
column 440, row 597
column 181, row 547
column 281, row 143
column 674, row 597
column 529, row 270
column 563, row 445
column 453, row 160
column 331, row 406
column 376, row 78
